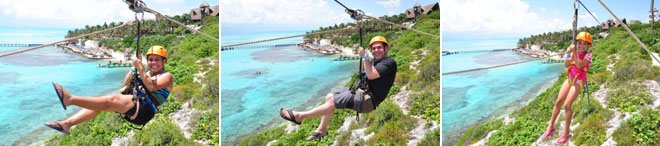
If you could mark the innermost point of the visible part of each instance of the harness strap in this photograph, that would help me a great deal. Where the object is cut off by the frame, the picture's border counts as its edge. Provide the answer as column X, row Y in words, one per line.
column 141, row 96
column 148, row 94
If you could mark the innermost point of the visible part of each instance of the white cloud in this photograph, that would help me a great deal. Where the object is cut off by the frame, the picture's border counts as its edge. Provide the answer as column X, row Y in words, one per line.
column 586, row 19
column 511, row 17
column 391, row 13
column 77, row 13
column 288, row 12
column 7, row 11
column 390, row 3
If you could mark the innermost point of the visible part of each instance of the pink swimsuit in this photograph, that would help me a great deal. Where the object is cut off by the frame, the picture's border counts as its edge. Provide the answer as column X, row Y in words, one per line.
column 576, row 74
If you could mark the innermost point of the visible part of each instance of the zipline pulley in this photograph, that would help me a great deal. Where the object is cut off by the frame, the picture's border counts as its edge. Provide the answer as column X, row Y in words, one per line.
column 139, row 91
column 356, row 14
column 136, row 6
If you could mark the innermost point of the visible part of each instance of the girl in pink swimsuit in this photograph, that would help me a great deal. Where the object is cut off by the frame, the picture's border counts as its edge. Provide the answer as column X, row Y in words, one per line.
column 572, row 87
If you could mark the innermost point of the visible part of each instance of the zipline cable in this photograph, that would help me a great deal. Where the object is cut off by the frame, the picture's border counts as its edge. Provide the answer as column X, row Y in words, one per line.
column 585, row 7
column 69, row 39
column 629, row 31
column 355, row 14
column 136, row 9
column 419, row 31
column 286, row 37
column 605, row 6
column 575, row 21
column 496, row 66
column 158, row 14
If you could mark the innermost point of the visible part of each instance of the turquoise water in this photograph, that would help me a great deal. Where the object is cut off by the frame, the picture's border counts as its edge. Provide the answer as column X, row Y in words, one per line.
column 27, row 98
column 290, row 78
column 472, row 98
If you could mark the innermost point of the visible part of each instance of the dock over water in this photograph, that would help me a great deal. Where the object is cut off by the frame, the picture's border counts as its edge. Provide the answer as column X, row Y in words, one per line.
column 111, row 64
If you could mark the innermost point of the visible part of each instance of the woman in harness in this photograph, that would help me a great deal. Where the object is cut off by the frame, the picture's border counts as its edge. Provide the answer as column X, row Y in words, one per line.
column 133, row 108
column 573, row 85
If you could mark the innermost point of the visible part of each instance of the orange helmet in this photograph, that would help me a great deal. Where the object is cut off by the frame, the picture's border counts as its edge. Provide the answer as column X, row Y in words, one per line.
column 157, row 50
column 584, row 36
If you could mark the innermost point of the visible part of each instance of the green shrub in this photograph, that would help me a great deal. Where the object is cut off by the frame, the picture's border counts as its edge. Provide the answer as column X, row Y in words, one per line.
column 160, row 131
column 641, row 129
column 591, row 131
column 98, row 131
column 629, row 100
column 264, row 137
column 431, row 138
column 427, row 105
column 388, row 112
column 390, row 134
column 475, row 134
column 207, row 127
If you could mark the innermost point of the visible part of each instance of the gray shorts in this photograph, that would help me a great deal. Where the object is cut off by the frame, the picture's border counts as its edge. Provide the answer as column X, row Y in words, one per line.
column 361, row 102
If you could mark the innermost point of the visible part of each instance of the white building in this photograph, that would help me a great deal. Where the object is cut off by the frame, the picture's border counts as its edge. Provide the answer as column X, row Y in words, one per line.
column 91, row 44
column 325, row 42
column 653, row 16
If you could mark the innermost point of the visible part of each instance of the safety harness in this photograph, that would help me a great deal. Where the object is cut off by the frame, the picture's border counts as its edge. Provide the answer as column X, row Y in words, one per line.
column 585, row 91
column 361, row 82
column 139, row 90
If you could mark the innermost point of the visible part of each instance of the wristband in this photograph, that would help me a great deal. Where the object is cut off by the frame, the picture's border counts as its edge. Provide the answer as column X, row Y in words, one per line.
column 365, row 56
column 133, row 70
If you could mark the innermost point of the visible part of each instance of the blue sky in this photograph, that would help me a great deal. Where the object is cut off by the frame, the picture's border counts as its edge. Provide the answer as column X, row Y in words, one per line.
column 296, row 15
column 483, row 19
column 78, row 13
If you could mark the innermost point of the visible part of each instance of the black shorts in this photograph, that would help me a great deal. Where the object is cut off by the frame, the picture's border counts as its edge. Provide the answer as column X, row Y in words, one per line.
column 145, row 113
column 359, row 102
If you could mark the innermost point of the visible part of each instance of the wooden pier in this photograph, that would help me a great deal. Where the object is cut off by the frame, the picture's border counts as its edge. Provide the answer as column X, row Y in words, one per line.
column 116, row 64
column 83, row 52
column 553, row 60
column 342, row 58
column 445, row 53
column 254, row 47
column 20, row 45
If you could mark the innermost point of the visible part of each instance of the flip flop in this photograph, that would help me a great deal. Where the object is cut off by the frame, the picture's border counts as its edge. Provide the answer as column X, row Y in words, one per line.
column 317, row 135
column 60, row 129
column 292, row 119
column 59, row 94
column 565, row 140
column 547, row 134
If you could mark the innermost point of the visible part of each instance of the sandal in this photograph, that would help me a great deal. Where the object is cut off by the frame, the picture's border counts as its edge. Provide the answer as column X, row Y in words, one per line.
column 59, row 93
column 58, row 128
column 563, row 141
column 547, row 134
column 292, row 118
column 317, row 135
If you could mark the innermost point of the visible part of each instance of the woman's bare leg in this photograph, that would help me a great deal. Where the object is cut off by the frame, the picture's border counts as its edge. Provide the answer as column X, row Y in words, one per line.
column 112, row 103
column 568, row 112
column 563, row 92
column 81, row 116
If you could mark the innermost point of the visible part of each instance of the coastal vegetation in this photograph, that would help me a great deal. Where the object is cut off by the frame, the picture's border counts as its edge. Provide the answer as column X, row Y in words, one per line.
column 189, row 54
column 620, row 69
column 556, row 41
column 418, row 66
